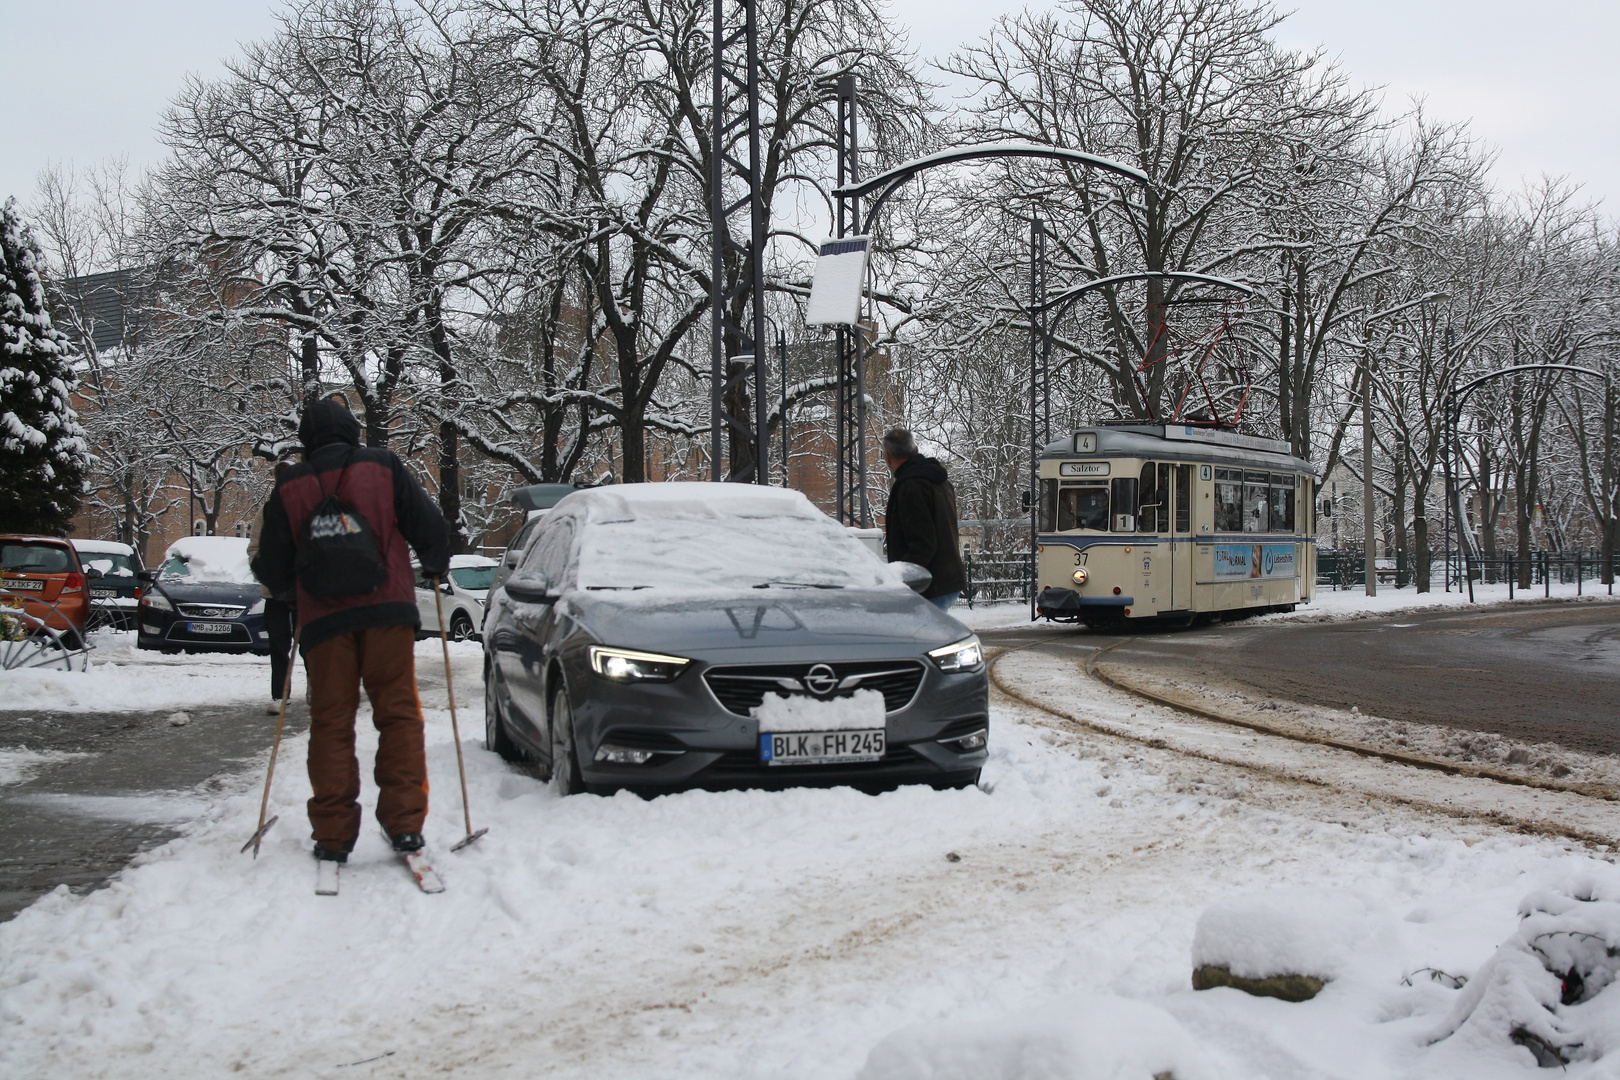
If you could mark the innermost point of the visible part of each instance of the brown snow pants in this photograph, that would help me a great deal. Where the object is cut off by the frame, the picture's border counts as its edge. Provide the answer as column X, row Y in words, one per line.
column 383, row 659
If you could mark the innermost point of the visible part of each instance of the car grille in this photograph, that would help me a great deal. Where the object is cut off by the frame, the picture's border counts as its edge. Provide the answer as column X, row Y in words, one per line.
column 742, row 688
column 211, row 611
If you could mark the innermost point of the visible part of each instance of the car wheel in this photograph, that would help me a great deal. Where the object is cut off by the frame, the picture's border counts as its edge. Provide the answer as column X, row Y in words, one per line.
column 496, row 740
column 565, row 774
column 461, row 627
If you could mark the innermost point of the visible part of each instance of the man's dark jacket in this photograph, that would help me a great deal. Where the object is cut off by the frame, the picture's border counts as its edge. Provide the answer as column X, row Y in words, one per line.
column 378, row 486
column 920, row 524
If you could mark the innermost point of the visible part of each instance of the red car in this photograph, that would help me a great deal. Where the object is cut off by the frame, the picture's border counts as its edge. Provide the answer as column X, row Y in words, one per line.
column 37, row 572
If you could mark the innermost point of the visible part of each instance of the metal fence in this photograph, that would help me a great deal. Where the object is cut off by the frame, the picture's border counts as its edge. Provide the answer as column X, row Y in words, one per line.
column 998, row 575
column 1346, row 569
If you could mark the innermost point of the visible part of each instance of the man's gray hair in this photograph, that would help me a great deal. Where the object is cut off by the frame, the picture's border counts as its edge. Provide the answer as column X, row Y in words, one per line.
column 899, row 444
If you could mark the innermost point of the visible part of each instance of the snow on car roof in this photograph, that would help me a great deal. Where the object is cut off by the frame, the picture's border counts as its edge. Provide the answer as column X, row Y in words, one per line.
column 103, row 547
column 459, row 561
column 688, row 498
column 213, row 558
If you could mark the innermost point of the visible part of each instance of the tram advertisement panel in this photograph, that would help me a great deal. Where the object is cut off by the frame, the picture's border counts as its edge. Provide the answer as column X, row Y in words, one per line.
column 1240, row 562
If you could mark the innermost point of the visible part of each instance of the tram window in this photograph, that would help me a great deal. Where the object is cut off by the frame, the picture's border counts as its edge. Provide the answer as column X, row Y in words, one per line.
column 1124, row 504
column 1282, row 502
column 1083, row 507
column 1147, row 514
column 1048, row 508
column 1183, row 498
column 1256, row 502
column 1228, row 500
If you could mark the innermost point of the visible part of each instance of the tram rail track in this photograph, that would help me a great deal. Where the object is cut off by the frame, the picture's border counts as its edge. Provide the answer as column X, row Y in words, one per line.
column 1596, row 794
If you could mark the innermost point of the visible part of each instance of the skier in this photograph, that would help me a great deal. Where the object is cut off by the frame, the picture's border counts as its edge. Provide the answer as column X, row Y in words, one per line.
column 919, row 525
column 339, row 521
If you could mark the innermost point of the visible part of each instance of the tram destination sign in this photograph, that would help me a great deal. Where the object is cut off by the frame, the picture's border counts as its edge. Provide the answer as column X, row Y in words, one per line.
column 1225, row 438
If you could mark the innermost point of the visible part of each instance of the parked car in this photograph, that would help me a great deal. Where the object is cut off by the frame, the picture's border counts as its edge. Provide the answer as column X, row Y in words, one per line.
column 42, row 576
column 660, row 636
column 462, row 595
column 116, row 592
column 202, row 598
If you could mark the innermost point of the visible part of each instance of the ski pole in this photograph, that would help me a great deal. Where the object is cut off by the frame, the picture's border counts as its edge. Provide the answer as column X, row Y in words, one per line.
column 275, row 748
column 455, row 730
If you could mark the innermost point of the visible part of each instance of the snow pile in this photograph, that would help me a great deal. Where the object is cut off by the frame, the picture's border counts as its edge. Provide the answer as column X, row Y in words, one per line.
column 861, row 711
column 1087, row 1037
column 1544, row 989
column 1300, row 930
column 209, row 558
column 700, row 537
column 18, row 764
column 122, row 678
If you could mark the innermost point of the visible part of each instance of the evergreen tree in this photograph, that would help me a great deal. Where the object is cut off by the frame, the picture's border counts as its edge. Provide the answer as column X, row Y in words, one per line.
column 43, row 453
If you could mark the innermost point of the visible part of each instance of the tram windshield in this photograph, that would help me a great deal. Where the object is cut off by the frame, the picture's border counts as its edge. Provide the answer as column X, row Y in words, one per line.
column 1068, row 506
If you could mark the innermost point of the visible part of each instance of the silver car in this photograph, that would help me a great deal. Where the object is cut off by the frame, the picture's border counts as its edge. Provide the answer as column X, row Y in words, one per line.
column 661, row 636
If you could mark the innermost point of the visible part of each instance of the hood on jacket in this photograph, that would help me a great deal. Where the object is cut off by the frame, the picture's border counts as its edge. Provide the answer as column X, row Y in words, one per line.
column 327, row 423
column 918, row 467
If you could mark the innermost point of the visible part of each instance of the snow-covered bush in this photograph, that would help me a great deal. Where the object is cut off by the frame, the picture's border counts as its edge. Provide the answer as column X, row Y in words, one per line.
column 1310, row 934
column 1547, row 988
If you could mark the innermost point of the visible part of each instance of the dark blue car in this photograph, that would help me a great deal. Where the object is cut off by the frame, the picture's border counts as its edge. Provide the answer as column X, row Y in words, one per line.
column 202, row 599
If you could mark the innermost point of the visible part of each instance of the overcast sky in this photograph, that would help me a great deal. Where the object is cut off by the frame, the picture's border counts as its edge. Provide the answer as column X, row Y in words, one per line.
column 87, row 80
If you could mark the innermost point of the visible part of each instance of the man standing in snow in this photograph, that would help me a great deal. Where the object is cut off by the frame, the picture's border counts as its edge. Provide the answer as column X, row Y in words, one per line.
column 919, row 525
column 350, row 639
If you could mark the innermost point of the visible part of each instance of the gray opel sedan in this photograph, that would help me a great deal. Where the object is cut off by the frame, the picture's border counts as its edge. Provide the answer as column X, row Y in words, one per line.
column 664, row 636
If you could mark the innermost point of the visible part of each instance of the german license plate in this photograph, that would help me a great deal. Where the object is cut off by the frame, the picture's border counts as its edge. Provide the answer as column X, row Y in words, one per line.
column 820, row 747
column 102, row 594
column 209, row 627
column 27, row 584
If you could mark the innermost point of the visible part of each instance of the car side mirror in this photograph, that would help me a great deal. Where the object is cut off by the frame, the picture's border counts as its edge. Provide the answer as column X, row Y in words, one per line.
column 446, row 587
column 146, row 575
column 92, row 572
column 530, row 588
column 917, row 578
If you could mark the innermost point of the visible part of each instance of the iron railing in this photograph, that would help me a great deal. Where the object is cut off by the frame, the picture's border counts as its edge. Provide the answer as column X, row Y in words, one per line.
column 998, row 575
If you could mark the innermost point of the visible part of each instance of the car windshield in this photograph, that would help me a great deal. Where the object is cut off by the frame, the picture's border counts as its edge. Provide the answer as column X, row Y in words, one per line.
column 35, row 559
column 208, row 558
column 473, row 577
column 111, row 565
column 667, row 548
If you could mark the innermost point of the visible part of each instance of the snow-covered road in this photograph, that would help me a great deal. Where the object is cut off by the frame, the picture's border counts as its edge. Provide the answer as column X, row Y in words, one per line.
column 1042, row 922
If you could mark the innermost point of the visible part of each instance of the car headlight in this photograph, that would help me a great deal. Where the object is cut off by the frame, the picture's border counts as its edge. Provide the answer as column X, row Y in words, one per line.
column 156, row 601
column 1080, row 576
column 257, row 608
column 627, row 665
column 965, row 655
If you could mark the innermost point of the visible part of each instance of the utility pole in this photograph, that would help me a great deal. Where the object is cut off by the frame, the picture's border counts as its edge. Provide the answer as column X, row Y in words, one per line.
column 1369, row 538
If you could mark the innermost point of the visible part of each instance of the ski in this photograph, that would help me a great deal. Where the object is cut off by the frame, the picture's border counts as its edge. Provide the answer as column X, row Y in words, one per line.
column 427, row 877
column 326, row 877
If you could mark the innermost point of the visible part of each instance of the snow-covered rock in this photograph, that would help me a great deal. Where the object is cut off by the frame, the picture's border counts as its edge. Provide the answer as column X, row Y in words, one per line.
column 1312, row 934
column 1087, row 1037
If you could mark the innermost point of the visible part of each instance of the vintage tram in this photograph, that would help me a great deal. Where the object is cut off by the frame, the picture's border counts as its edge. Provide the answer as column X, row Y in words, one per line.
column 1171, row 522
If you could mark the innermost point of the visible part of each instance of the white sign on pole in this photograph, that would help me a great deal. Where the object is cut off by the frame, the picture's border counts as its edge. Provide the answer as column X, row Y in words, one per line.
column 835, row 291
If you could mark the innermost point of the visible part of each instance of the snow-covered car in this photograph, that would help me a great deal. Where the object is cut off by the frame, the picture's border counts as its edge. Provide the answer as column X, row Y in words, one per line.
column 202, row 598
column 660, row 636
column 110, row 568
column 462, row 595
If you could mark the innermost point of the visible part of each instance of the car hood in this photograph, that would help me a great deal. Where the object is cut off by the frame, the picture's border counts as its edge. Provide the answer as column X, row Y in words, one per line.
column 690, row 624
column 210, row 592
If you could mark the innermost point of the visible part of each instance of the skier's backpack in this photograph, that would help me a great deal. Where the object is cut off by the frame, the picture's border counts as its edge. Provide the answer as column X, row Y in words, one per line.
column 337, row 551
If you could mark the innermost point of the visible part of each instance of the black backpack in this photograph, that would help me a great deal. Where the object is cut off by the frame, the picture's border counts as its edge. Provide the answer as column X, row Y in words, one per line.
column 337, row 551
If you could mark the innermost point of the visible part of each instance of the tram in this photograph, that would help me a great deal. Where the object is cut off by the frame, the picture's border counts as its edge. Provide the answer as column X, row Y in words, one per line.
column 1171, row 522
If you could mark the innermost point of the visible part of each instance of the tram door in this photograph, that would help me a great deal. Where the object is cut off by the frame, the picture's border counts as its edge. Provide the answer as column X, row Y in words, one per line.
column 1181, row 541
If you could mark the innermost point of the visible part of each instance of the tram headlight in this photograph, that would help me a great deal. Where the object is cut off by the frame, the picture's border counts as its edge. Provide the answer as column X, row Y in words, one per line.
column 1080, row 576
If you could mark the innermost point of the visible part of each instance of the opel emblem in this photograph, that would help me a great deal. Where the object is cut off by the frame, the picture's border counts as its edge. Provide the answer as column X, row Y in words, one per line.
column 820, row 680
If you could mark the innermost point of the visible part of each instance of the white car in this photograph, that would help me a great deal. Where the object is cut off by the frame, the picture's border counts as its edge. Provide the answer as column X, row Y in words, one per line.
column 462, row 595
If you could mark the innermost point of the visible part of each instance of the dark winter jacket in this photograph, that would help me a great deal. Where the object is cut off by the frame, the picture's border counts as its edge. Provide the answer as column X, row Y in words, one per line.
column 379, row 487
column 920, row 524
